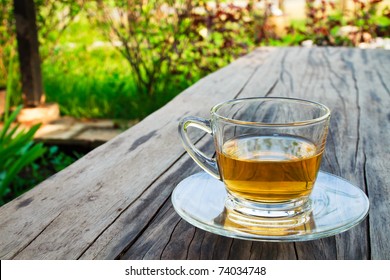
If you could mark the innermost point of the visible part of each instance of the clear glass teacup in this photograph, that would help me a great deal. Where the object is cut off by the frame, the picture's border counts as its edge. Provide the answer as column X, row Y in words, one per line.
column 268, row 153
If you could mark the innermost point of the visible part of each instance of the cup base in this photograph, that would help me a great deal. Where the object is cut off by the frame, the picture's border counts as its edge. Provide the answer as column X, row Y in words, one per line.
column 249, row 213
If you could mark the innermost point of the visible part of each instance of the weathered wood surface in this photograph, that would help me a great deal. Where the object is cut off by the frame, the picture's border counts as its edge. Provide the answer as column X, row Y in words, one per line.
column 114, row 203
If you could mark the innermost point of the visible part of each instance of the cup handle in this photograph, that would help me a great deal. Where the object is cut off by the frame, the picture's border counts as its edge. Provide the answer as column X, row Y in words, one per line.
column 208, row 164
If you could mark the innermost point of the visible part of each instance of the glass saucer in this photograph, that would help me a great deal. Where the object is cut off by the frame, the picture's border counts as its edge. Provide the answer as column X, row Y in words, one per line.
column 337, row 206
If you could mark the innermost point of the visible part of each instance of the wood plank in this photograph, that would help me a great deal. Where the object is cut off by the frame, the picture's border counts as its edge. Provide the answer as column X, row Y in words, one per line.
column 115, row 202
column 324, row 73
column 131, row 223
column 149, row 247
column 64, row 215
column 371, row 77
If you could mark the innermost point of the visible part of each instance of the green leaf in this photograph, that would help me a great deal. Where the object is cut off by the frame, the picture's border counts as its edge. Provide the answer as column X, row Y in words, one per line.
column 8, row 122
column 25, row 159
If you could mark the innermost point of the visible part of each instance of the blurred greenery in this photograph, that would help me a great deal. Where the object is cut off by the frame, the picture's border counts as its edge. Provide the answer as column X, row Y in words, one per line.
column 122, row 59
column 17, row 150
column 53, row 160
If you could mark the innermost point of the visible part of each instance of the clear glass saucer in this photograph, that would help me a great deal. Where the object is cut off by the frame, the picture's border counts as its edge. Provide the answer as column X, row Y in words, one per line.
column 337, row 206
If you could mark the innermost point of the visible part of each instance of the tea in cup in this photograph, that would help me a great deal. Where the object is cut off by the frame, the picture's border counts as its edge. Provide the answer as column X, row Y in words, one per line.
column 268, row 153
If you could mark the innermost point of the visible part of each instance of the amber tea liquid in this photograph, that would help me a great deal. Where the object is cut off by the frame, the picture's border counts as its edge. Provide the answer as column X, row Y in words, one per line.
column 273, row 168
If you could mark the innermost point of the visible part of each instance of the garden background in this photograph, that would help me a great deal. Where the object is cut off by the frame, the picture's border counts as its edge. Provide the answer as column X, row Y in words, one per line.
column 124, row 59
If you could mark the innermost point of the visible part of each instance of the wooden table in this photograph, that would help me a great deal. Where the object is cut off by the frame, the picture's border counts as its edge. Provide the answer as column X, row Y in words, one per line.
column 115, row 202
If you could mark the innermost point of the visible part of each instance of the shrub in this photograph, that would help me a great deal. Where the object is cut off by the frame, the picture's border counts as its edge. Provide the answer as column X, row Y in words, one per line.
column 17, row 150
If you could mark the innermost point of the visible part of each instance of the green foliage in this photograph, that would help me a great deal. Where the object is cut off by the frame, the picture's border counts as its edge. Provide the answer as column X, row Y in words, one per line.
column 152, row 42
column 51, row 162
column 370, row 25
column 170, row 45
column 17, row 150
column 323, row 23
column 161, row 47
column 220, row 35
column 7, row 38
column 53, row 18
column 102, row 87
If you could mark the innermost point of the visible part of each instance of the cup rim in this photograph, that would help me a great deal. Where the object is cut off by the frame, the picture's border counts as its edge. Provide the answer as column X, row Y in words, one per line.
column 326, row 115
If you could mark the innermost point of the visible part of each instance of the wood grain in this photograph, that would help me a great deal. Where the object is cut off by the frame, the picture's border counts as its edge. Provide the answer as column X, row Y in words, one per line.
column 114, row 203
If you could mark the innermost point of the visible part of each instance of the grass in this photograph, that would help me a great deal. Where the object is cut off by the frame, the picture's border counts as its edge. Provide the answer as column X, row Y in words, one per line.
column 91, row 84
column 98, row 83
column 89, row 78
column 88, row 81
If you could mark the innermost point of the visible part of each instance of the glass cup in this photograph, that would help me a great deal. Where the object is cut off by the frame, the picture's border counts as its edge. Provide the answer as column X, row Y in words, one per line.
column 268, row 154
